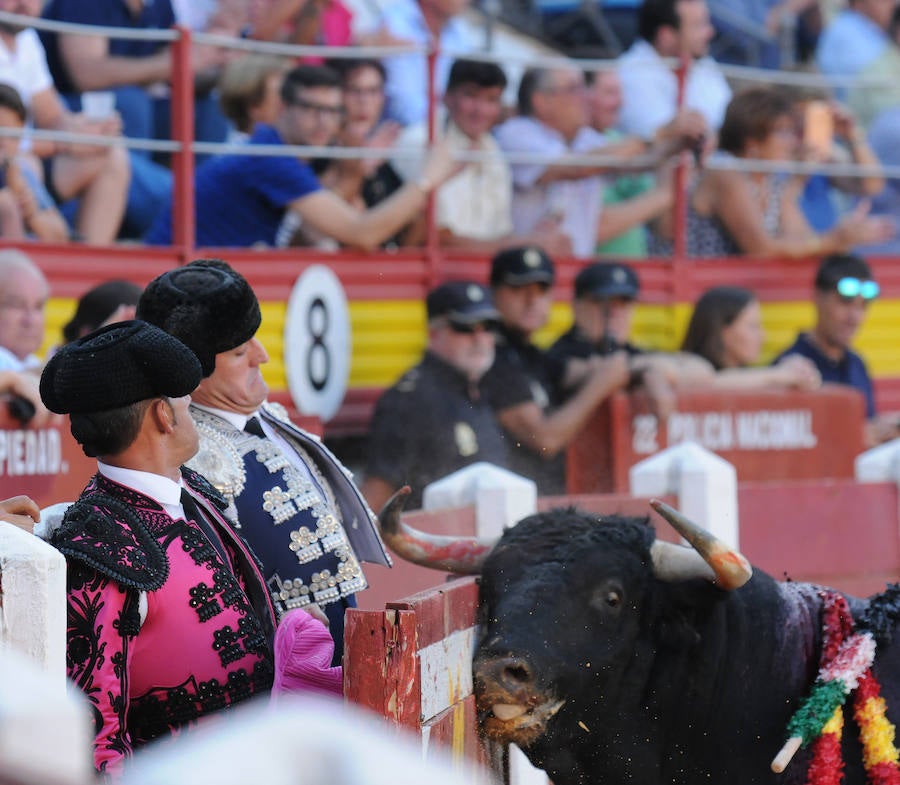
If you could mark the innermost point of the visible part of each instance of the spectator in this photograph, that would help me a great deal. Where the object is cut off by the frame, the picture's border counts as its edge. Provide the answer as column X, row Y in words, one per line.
column 732, row 211
column 424, row 22
column 129, row 68
column 726, row 329
column 97, row 176
column 854, row 38
column 878, row 90
column 630, row 200
column 24, row 176
column 307, row 22
column 883, row 138
column 552, row 121
column 23, row 297
column 107, row 303
column 436, row 418
column 824, row 198
column 366, row 182
column 241, row 200
column 21, row 399
column 473, row 210
column 168, row 615
column 521, row 385
column 670, row 28
column 250, row 92
column 296, row 504
column 844, row 287
column 602, row 313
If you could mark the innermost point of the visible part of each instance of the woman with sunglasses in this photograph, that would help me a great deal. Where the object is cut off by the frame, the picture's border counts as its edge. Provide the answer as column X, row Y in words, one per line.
column 726, row 329
column 844, row 288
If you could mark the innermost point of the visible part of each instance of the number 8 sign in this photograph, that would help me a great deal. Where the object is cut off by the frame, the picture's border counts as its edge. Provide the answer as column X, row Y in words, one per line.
column 317, row 343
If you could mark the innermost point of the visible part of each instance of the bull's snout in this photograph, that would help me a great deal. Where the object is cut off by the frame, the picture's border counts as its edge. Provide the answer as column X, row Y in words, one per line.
column 510, row 674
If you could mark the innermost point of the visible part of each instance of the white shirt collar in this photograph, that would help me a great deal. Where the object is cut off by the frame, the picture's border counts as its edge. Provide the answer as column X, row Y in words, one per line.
column 237, row 419
column 161, row 489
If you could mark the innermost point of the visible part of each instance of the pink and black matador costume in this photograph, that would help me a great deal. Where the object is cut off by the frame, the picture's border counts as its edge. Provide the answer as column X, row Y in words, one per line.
column 168, row 620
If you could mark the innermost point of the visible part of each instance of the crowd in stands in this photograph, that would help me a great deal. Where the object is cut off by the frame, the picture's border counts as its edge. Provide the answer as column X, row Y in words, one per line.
column 500, row 174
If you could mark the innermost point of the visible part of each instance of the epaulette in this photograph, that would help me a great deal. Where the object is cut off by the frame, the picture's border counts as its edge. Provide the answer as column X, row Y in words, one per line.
column 108, row 536
column 204, row 487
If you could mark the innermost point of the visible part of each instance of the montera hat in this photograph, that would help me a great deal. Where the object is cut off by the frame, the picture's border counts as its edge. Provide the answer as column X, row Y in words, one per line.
column 117, row 365
column 607, row 279
column 522, row 266
column 462, row 302
column 206, row 304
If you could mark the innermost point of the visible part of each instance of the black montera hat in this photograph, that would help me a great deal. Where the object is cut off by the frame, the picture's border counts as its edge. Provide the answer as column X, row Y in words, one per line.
column 607, row 279
column 522, row 266
column 117, row 365
column 205, row 304
column 462, row 302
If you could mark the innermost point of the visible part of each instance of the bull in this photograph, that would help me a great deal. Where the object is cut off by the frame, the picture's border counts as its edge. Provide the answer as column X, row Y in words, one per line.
column 611, row 657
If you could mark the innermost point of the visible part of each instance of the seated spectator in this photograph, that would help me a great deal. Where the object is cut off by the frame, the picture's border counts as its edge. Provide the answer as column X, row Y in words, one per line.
column 424, row 22
column 552, row 121
column 106, row 303
column 878, row 89
column 726, row 329
column 242, row 200
column 130, row 68
column 23, row 297
column 606, row 295
column 473, row 209
column 522, row 383
column 670, row 28
column 823, row 198
column 24, row 176
column 885, row 145
column 844, row 288
column 436, row 418
column 250, row 92
column 367, row 181
column 97, row 177
column 307, row 22
column 733, row 212
column 629, row 200
column 855, row 38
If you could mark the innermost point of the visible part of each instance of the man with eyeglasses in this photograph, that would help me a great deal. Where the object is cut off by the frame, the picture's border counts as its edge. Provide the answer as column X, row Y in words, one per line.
column 844, row 287
column 436, row 418
column 243, row 200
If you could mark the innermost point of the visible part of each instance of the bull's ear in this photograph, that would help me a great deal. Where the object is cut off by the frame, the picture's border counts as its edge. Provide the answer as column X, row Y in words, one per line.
column 684, row 610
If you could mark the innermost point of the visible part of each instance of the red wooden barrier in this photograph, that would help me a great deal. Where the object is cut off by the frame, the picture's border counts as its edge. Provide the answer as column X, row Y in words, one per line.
column 411, row 663
column 766, row 435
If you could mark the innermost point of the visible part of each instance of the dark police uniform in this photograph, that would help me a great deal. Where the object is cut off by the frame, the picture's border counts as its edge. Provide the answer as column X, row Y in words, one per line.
column 431, row 423
column 522, row 372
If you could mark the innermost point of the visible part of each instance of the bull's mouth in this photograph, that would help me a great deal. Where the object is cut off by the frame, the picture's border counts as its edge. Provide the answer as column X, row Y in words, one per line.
column 516, row 722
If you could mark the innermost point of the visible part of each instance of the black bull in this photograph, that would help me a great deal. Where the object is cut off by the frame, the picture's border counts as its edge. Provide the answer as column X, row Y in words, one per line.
column 604, row 672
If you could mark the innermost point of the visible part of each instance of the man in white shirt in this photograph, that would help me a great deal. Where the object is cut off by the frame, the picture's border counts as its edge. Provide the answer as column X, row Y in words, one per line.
column 23, row 295
column 670, row 29
column 553, row 121
column 473, row 209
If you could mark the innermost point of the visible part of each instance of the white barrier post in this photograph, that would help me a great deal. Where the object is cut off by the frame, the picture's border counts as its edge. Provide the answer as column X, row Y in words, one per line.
column 706, row 486
column 501, row 499
column 33, row 613
column 45, row 732
column 880, row 464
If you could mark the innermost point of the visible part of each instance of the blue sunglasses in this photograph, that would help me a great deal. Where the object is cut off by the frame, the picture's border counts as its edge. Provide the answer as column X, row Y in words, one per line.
column 854, row 287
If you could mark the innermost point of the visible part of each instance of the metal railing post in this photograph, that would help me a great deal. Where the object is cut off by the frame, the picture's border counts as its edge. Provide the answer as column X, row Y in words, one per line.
column 679, row 242
column 184, row 226
column 432, row 238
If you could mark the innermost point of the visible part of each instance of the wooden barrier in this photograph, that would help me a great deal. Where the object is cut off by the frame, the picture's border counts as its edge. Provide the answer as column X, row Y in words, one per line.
column 779, row 436
column 411, row 663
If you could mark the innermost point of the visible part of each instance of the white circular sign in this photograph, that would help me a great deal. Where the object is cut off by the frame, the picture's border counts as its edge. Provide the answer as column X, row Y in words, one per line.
column 317, row 343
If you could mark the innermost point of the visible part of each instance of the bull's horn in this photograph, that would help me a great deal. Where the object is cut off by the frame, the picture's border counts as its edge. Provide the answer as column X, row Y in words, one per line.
column 462, row 555
column 731, row 569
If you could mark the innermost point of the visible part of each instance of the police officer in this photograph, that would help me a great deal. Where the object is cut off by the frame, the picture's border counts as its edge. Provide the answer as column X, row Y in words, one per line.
column 523, row 383
column 435, row 419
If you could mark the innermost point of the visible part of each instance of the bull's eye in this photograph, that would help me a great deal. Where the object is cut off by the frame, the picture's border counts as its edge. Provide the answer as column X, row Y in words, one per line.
column 613, row 599
column 608, row 597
